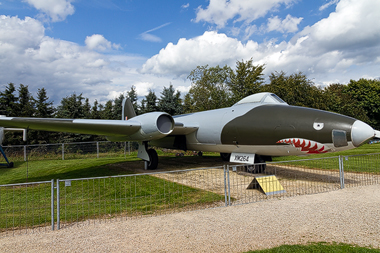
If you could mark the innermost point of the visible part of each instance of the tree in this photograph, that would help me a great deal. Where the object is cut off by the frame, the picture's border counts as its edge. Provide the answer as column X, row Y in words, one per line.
column 338, row 100
column 170, row 101
column 8, row 101
column 118, row 106
column 245, row 80
column 86, row 109
column 366, row 93
column 132, row 94
column 149, row 103
column 107, row 112
column 44, row 109
column 72, row 107
column 295, row 89
column 95, row 111
column 209, row 88
column 25, row 104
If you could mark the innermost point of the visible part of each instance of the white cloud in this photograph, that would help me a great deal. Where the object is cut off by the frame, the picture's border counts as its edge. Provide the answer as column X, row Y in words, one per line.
column 185, row 6
column 337, row 47
column 57, row 10
column 328, row 4
column 142, row 88
column 98, row 42
column 287, row 25
column 30, row 57
column 210, row 48
column 220, row 11
column 150, row 37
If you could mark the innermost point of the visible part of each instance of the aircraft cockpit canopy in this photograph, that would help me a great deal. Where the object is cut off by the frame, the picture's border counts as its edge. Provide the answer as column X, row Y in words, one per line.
column 263, row 98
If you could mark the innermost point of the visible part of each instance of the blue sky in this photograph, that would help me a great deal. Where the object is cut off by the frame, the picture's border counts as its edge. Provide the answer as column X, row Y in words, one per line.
column 102, row 48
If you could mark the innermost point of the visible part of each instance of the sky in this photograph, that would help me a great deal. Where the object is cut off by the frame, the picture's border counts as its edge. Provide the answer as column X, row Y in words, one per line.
column 102, row 48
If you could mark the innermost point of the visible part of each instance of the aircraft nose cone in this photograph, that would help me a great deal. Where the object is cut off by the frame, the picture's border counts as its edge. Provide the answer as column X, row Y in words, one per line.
column 361, row 132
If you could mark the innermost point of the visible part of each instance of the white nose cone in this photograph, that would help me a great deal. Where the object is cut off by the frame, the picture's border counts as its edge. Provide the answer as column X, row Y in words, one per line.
column 361, row 132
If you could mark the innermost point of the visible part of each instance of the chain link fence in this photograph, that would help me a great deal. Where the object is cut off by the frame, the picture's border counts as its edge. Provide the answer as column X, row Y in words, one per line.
column 65, row 151
column 26, row 207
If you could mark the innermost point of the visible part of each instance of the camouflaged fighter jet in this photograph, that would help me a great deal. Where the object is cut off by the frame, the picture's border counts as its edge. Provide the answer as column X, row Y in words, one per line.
column 251, row 131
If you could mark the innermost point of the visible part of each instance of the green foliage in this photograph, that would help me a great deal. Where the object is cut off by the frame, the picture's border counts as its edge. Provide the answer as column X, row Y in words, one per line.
column 318, row 247
column 132, row 94
column 295, row 89
column 246, row 80
column 209, row 88
column 8, row 101
column 170, row 101
column 338, row 100
column 44, row 109
column 366, row 93
column 149, row 103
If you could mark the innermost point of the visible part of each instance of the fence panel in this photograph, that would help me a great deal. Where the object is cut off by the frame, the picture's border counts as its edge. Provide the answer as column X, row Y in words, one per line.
column 298, row 177
column 74, row 150
column 131, row 196
column 25, row 208
column 361, row 170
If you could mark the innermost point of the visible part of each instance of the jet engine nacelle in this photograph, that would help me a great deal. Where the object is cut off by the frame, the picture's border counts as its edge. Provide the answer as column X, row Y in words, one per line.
column 153, row 125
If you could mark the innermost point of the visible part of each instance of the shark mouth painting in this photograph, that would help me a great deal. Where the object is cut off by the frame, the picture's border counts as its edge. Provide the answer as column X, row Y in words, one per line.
column 308, row 146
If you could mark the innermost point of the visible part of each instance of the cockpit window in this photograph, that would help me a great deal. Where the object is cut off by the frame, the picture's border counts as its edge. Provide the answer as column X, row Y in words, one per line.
column 263, row 97
column 274, row 96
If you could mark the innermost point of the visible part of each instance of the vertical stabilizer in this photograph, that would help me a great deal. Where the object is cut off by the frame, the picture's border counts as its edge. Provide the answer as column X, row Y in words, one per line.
column 127, row 111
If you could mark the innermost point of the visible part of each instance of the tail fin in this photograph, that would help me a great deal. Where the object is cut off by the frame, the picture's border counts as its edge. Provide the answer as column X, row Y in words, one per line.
column 127, row 112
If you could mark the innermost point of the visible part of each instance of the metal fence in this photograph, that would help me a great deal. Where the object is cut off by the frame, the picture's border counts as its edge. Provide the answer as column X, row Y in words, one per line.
column 26, row 208
column 92, row 200
column 65, row 151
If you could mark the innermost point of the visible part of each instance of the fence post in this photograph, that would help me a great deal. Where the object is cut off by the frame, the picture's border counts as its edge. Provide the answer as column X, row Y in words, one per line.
column 228, row 181
column 225, row 185
column 24, row 153
column 63, row 151
column 341, row 172
column 52, row 204
column 58, row 207
column 97, row 149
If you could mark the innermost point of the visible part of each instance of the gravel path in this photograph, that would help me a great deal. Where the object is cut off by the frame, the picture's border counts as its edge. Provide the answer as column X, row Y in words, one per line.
column 351, row 216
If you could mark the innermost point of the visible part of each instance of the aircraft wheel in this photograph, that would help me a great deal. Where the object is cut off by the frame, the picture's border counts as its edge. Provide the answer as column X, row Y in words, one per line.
column 257, row 168
column 153, row 157
column 225, row 156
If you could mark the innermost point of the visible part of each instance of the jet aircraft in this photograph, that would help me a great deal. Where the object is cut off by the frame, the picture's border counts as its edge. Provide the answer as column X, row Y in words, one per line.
column 253, row 130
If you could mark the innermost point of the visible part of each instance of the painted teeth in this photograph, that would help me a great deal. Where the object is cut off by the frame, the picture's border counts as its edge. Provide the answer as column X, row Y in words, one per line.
column 308, row 146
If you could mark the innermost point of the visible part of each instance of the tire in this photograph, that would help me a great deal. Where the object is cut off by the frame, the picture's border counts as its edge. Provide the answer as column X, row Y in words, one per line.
column 225, row 156
column 257, row 168
column 153, row 157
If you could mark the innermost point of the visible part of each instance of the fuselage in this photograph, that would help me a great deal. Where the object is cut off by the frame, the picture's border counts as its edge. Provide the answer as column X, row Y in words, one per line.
column 271, row 128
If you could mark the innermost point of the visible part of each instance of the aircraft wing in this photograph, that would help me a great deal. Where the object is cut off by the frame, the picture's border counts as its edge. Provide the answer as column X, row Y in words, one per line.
column 146, row 127
column 82, row 126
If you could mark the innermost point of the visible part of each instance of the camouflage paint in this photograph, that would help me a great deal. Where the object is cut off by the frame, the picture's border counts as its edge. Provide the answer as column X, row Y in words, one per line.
column 267, row 124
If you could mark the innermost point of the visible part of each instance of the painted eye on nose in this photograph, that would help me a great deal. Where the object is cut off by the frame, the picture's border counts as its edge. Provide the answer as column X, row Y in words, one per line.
column 318, row 126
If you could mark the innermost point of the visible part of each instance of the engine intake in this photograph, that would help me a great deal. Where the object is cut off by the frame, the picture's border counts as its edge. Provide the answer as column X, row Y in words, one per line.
column 154, row 125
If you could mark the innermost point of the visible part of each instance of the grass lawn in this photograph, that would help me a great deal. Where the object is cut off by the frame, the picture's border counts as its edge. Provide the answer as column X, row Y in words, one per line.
column 318, row 248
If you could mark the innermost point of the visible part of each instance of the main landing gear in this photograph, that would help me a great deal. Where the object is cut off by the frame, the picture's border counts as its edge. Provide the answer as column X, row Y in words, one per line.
column 149, row 155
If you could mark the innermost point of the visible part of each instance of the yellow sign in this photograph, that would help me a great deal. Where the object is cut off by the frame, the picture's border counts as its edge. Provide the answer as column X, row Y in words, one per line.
column 269, row 184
